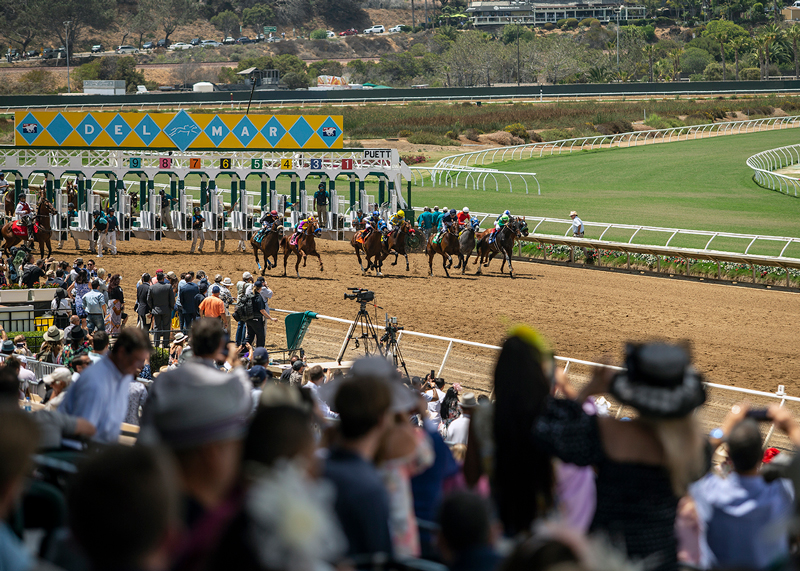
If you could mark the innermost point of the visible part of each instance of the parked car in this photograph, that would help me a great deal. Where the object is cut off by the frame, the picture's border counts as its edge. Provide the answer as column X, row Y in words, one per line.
column 396, row 29
column 229, row 40
column 261, row 38
column 210, row 44
column 273, row 39
column 32, row 53
column 180, row 46
column 97, row 48
column 196, row 41
column 375, row 30
column 13, row 53
column 163, row 43
column 126, row 50
column 149, row 46
column 48, row 53
column 244, row 40
column 331, row 34
column 350, row 32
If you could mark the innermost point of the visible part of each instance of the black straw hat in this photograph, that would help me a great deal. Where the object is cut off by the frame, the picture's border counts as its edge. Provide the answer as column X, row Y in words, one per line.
column 659, row 382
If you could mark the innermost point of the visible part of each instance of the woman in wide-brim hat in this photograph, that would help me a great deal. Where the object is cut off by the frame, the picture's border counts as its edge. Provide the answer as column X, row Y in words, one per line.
column 52, row 346
column 177, row 348
column 643, row 465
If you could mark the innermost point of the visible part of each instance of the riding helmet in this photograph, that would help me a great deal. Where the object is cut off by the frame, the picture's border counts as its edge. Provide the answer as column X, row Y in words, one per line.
column 96, row 213
column 452, row 212
column 273, row 213
column 465, row 210
column 376, row 213
column 401, row 214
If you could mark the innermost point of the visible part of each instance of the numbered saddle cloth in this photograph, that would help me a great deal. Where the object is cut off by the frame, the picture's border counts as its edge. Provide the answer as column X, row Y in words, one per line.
column 293, row 239
column 437, row 238
column 360, row 236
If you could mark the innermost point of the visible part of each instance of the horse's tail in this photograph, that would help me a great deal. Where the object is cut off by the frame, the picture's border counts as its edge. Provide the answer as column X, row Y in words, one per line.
column 284, row 245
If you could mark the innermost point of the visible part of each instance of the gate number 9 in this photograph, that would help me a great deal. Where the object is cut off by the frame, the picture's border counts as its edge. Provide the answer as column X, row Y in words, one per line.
column 135, row 162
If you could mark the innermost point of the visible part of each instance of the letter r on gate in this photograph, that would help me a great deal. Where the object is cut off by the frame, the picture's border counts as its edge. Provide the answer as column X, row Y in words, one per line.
column 273, row 131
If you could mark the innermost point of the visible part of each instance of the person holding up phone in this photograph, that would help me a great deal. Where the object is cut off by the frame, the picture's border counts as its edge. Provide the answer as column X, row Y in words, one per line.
column 434, row 387
column 744, row 520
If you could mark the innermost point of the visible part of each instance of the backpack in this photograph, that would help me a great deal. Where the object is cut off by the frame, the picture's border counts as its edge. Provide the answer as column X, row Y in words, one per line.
column 244, row 308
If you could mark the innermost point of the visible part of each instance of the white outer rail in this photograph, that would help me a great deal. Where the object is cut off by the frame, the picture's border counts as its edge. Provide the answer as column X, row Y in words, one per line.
column 765, row 162
column 779, row 395
column 476, row 175
column 630, row 139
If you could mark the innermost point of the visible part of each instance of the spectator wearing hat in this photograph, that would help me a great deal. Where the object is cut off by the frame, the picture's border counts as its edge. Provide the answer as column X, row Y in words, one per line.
column 177, row 347
column 266, row 294
column 101, row 393
column 111, row 232
column 260, row 356
column 96, row 308
column 188, row 296
column 226, row 296
column 197, row 231
column 56, row 384
column 255, row 326
column 52, row 346
column 52, row 280
column 458, row 431
column 644, row 465
column 296, row 376
column 577, row 225
column 28, row 377
column 213, row 306
column 161, row 300
column 258, row 375
column 7, row 348
column 78, row 345
column 200, row 413
column 744, row 520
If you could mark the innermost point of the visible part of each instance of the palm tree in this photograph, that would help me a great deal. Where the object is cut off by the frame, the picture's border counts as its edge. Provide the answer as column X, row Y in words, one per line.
column 675, row 56
column 650, row 51
column 739, row 44
column 767, row 36
column 722, row 36
column 793, row 34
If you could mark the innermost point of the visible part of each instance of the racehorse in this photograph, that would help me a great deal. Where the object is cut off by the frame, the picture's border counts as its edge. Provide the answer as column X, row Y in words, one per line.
column 373, row 247
column 448, row 246
column 399, row 241
column 503, row 244
column 466, row 241
column 10, row 204
column 43, row 211
column 270, row 244
column 304, row 247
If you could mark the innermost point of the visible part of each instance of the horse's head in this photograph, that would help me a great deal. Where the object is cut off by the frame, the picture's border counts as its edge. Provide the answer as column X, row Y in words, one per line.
column 523, row 225
column 44, row 207
column 312, row 226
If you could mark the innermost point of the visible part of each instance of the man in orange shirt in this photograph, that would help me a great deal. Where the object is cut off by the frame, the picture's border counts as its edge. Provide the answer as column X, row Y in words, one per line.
column 213, row 306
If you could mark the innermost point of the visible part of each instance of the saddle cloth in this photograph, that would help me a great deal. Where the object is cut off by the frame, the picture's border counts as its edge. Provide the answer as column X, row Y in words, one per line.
column 294, row 238
column 17, row 229
column 360, row 236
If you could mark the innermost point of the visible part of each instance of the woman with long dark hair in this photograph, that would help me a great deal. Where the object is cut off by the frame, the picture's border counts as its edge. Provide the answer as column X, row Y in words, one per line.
column 62, row 308
column 116, row 305
column 450, row 410
column 77, row 290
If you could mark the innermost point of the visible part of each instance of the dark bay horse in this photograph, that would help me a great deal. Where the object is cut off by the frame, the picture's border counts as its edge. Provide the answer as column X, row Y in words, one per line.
column 373, row 247
column 447, row 247
column 10, row 204
column 503, row 244
column 270, row 245
column 466, row 242
column 399, row 241
column 43, row 211
column 304, row 247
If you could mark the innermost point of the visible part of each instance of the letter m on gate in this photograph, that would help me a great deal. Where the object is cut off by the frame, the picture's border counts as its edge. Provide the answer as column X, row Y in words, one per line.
column 216, row 131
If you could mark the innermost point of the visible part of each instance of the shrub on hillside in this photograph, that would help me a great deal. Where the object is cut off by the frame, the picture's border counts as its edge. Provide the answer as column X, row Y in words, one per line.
column 534, row 137
column 471, row 134
column 750, row 74
column 614, row 128
column 555, row 134
column 655, row 121
column 758, row 110
column 413, row 159
column 560, row 23
column 713, row 72
column 319, row 34
column 452, row 135
column 664, row 22
column 571, row 23
column 504, row 138
column 549, row 26
column 404, row 134
column 587, row 22
column 431, row 139
column 517, row 129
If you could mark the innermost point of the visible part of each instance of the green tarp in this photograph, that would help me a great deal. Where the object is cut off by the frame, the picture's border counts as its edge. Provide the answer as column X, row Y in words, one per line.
column 296, row 327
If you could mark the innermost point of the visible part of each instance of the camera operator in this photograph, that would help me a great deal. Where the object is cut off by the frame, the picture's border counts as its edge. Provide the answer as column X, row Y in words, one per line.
column 433, row 387
column 745, row 519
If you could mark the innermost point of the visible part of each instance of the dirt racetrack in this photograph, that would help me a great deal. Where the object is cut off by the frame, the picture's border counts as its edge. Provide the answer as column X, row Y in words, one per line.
column 741, row 336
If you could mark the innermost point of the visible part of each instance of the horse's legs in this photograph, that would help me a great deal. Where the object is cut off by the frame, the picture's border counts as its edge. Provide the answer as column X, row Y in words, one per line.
column 431, row 254
column 300, row 256
column 321, row 268
column 285, row 258
column 360, row 263
column 406, row 257
column 305, row 256
column 508, row 255
column 445, row 258
column 395, row 259
column 255, row 252
column 462, row 262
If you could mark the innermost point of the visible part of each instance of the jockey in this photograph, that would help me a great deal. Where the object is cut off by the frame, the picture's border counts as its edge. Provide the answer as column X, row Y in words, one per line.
column 301, row 227
column 463, row 217
column 396, row 220
column 269, row 217
column 446, row 222
column 501, row 221
column 359, row 219
column 24, row 214
column 374, row 221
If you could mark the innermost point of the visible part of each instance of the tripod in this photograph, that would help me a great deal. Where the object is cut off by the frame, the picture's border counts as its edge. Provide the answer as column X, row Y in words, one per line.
column 369, row 336
column 392, row 348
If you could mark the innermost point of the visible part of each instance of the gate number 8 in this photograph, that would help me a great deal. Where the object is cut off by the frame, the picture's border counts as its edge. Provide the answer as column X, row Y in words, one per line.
column 165, row 163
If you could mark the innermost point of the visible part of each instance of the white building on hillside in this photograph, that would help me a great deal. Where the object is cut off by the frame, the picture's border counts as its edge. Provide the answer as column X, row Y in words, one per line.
column 538, row 13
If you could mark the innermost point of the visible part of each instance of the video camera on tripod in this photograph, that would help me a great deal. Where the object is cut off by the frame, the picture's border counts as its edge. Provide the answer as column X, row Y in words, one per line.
column 359, row 294
column 391, row 328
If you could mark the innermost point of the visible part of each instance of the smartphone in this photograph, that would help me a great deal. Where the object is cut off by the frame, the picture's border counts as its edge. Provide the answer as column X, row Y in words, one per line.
column 760, row 414
column 433, row 375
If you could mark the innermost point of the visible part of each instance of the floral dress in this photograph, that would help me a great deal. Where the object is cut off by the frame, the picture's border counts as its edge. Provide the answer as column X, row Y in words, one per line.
column 79, row 291
column 113, row 318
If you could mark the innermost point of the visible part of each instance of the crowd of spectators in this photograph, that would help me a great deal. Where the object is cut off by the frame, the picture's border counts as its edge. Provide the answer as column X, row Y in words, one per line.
column 239, row 465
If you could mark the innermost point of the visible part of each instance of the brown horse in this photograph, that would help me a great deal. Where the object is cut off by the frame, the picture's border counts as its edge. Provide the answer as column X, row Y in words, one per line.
column 8, row 200
column 270, row 244
column 448, row 246
column 305, row 247
column 373, row 247
column 42, row 236
column 398, row 243
column 503, row 244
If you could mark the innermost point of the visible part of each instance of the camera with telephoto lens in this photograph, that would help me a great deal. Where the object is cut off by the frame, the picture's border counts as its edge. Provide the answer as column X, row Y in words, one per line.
column 360, row 295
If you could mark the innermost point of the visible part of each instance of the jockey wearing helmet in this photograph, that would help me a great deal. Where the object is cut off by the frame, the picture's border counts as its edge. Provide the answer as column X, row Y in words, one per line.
column 24, row 214
column 373, row 222
column 268, row 219
column 446, row 222
column 501, row 221
column 463, row 216
column 396, row 220
column 303, row 223
column 359, row 219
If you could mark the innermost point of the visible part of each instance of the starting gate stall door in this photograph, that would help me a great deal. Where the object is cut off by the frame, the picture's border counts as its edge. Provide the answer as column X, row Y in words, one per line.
column 123, row 214
column 333, row 215
column 149, row 225
column 215, row 219
column 59, row 221
column 182, row 216
column 85, row 217
column 364, row 202
column 303, row 202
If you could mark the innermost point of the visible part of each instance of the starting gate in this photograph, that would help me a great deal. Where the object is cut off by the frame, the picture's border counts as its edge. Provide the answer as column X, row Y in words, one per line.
column 242, row 217
column 123, row 214
column 182, row 216
column 59, row 222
